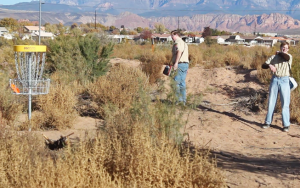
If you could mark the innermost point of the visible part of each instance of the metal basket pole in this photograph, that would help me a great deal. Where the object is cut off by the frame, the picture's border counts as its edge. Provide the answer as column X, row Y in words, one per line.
column 29, row 90
column 30, row 78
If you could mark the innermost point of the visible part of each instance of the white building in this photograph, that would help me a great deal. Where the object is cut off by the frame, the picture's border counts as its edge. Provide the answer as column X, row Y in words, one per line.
column 33, row 29
column 3, row 30
column 44, row 35
column 7, row 36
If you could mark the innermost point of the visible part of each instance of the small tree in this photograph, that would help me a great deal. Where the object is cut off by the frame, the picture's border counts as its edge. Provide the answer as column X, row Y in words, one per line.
column 89, row 47
column 78, row 58
column 132, row 33
column 116, row 31
column 61, row 28
column 208, row 41
column 207, row 32
column 9, row 23
column 111, row 28
column 74, row 25
column 51, row 28
column 159, row 28
column 139, row 29
column 123, row 32
column 146, row 35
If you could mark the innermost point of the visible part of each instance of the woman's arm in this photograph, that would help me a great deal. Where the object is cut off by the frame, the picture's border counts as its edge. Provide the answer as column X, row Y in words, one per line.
column 266, row 65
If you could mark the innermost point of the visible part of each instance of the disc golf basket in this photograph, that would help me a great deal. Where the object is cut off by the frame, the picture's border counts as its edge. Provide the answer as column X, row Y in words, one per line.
column 30, row 61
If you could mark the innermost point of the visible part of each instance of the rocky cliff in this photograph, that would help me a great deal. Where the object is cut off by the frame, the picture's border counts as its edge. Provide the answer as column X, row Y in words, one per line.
column 230, row 22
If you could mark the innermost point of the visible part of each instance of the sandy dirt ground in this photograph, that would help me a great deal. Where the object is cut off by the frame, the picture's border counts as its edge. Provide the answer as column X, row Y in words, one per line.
column 248, row 155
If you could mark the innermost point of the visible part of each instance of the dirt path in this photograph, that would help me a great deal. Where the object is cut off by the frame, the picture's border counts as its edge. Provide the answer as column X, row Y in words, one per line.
column 248, row 155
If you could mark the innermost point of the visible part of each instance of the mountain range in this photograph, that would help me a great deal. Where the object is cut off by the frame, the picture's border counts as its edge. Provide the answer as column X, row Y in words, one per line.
column 236, row 15
column 148, row 8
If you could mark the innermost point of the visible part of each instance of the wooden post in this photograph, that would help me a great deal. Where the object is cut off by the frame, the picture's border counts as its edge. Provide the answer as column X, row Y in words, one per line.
column 152, row 44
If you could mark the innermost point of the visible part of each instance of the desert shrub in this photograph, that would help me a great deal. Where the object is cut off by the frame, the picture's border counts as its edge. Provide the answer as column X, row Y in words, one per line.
column 294, row 106
column 90, row 47
column 5, row 42
column 154, row 164
column 130, row 50
column 232, row 58
column 208, row 53
column 104, row 161
column 152, row 64
column 7, row 61
column 259, row 56
column 32, row 165
column 56, row 110
column 195, row 55
column 117, row 88
column 10, row 106
column 138, row 146
column 214, row 56
column 78, row 57
column 65, row 57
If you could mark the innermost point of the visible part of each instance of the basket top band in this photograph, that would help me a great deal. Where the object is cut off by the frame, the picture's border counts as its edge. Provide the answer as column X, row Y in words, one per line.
column 29, row 48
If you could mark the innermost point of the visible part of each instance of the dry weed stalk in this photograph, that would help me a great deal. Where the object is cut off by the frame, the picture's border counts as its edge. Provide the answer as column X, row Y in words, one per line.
column 119, row 88
column 123, row 154
column 130, row 51
column 152, row 64
column 10, row 106
column 57, row 108
column 137, row 146
column 57, row 144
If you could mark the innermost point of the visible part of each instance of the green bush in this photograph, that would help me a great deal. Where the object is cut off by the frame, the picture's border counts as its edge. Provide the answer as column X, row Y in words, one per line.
column 78, row 58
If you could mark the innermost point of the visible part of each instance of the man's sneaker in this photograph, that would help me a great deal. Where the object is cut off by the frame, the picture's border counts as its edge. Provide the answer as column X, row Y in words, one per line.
column 286, row 129
column 265, row 126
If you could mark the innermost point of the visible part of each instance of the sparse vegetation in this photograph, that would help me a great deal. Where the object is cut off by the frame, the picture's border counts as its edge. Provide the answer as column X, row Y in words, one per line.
column 140, row 144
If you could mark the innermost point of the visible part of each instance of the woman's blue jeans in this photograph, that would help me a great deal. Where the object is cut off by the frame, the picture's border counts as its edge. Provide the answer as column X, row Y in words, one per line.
column 180, row 81
column 281, row 85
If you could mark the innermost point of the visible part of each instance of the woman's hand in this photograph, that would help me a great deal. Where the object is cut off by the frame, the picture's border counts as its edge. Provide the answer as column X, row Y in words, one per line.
column 273, row 68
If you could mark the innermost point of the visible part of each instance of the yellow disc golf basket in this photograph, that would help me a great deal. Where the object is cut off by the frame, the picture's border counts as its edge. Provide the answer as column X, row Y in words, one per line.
column 30, row 62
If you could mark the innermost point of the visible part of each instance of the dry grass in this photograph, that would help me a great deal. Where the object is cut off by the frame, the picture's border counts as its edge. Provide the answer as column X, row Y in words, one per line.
column 136, row 147
column 130, row 50
column 195, row 57
column 140, row 143
column 152, row 64
column 10, row 106
column 55, row 110
column 6, row 57
column 105, row 161
column 118, row 88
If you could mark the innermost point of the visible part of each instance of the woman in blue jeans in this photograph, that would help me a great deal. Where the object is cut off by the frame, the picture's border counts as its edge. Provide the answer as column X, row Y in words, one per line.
column 279, row 65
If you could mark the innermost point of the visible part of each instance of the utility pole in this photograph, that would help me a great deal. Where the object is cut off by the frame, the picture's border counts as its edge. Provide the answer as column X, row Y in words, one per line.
column 255, row 28
column 40, row 23
column 178, row 24
column 95, row 19
column 40, row 20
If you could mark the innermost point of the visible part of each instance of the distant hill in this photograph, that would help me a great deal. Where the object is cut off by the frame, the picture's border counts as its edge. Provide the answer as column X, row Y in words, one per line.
column 158, row 8
column 163, row 8
column 228, row 22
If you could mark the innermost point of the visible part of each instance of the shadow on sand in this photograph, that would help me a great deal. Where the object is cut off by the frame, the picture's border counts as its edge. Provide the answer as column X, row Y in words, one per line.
column 277, row 165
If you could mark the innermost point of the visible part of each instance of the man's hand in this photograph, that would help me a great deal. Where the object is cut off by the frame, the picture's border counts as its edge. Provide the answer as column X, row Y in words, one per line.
column 175, row 66
column 273, row 68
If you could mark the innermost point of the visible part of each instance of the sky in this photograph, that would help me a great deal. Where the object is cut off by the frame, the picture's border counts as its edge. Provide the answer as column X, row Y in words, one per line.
column 12, row 2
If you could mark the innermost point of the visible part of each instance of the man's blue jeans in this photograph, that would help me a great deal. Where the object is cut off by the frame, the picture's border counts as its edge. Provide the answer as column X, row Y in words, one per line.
column 281, row 85
column 180, row 81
